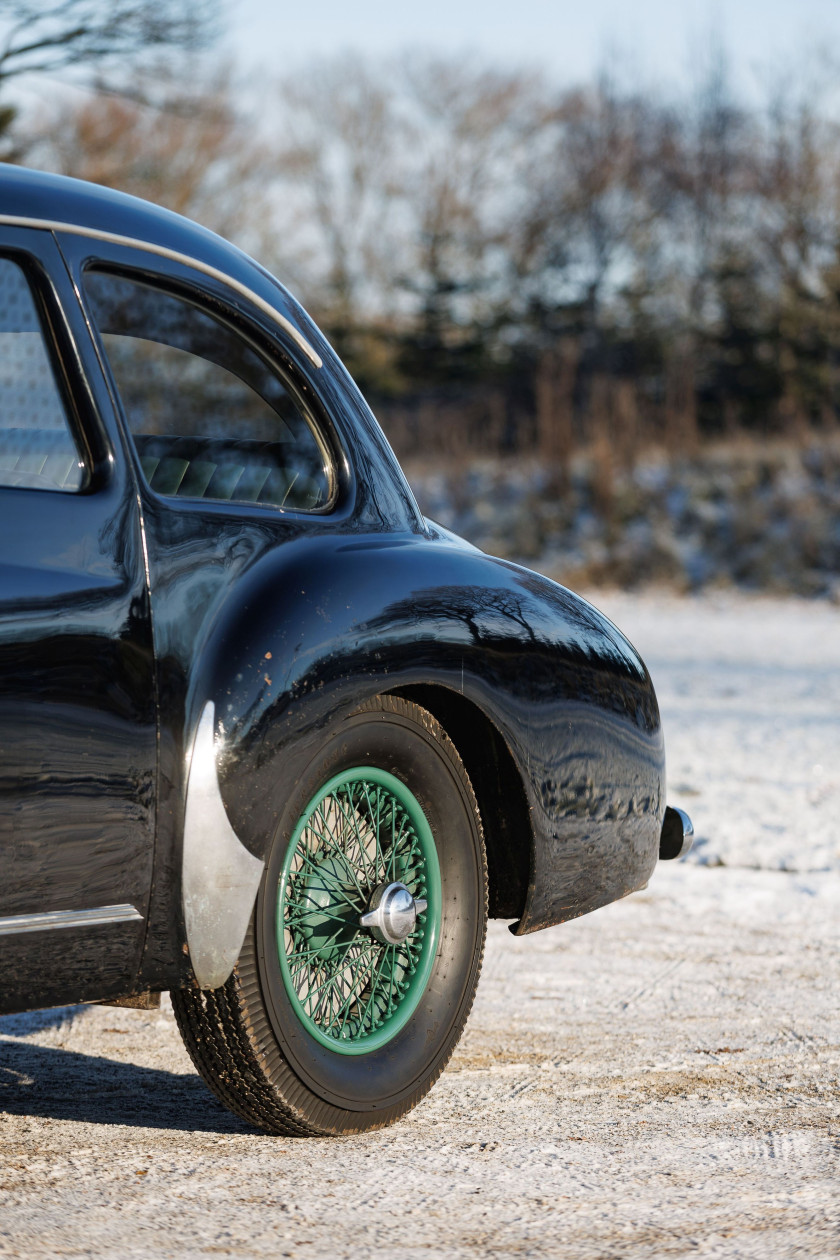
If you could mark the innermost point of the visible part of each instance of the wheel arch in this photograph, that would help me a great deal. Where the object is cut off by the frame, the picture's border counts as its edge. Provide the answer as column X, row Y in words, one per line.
column 498, row 788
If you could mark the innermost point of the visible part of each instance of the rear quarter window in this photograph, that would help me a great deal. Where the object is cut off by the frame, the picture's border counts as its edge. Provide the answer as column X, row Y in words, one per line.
column 209, row 417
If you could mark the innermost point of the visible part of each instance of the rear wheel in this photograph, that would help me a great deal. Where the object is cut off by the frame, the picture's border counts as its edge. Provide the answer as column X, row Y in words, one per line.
column 362, row 959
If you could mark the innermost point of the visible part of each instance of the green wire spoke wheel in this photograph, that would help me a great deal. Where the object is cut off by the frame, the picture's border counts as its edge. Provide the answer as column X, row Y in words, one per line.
column 355, row 985
column 359, row 968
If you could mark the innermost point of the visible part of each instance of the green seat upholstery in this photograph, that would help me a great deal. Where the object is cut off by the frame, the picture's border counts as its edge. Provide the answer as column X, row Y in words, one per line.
column 279, row 474
column 43, row 459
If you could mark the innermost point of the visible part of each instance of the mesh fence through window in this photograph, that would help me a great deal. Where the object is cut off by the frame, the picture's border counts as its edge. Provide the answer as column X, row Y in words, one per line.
column 37, row 450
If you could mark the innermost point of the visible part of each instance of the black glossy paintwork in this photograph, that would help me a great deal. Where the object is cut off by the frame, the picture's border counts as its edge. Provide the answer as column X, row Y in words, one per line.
column 287, row 621
column 77, row 711
column 197, row 550
column 570, row 698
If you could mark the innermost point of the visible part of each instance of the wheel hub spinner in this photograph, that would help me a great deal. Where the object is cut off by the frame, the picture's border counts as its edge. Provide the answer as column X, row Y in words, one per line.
column 392, row 914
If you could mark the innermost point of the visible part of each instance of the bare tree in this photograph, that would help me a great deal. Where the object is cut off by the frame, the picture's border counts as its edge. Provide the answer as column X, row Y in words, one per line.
column 470, row 129
column 338, row 164
column 592, row 214
column 44, row 38
column 577, row 263
column 395, row 180
column 189, row 151
column 798, row 248
column 96, row 41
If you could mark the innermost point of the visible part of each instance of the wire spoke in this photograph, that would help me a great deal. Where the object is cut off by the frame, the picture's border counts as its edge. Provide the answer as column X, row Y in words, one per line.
column 355, row 989
column 373, row 815
column 353, row 821
column 299, row 913
column 301, row 955
column 341, row 853
column 404, row 822
column 335, row 841
column 375, row 978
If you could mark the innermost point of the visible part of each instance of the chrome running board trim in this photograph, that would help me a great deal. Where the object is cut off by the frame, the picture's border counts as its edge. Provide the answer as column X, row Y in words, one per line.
column 52, row 919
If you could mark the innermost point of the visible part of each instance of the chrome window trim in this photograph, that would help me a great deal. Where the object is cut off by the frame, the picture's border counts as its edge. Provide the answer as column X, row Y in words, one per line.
column 52, row 919
column 174, row 255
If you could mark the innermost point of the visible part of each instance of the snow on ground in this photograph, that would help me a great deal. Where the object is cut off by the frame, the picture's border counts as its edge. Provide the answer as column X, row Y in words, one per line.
column 749, row 689
column 661, row 1078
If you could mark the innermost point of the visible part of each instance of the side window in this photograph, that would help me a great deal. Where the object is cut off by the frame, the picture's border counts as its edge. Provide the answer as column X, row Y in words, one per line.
column 208, row 417
column 37, row 450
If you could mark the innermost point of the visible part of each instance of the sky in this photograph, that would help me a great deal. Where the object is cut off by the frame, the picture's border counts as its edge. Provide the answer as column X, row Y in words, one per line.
column 662, row 39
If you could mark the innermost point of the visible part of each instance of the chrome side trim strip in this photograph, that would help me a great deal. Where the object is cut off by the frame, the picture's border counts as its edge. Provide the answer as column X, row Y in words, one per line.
column 52, row 919
column 98, row 234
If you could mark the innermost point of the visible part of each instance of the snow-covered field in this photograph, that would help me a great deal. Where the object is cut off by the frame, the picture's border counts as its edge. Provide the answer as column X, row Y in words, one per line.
column 749, row 690
column 661, row 1078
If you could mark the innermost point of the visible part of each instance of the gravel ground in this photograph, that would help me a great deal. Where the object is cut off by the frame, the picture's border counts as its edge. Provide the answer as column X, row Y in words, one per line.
column 659, row 1078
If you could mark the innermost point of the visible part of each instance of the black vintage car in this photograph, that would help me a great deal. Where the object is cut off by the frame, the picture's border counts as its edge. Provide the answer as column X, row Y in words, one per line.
column 269, row 739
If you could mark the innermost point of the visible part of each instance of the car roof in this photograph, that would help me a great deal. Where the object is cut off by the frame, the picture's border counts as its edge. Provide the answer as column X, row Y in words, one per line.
column 40, row 199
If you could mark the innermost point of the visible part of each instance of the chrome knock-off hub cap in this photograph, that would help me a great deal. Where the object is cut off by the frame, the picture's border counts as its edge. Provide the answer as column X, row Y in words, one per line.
column 392, row 914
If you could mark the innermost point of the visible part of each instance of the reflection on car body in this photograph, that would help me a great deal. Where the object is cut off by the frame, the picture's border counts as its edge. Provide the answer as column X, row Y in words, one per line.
column 271, row 740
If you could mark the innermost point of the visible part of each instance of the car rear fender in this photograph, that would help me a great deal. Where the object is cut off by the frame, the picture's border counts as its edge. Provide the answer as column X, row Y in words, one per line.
column 320, row 625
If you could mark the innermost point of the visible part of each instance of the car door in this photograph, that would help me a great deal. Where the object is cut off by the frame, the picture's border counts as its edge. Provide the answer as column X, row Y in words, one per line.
column 77, row 686
column 234, row 454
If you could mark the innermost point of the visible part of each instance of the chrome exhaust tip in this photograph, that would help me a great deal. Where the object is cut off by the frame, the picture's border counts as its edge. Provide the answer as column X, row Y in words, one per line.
column 677, row 834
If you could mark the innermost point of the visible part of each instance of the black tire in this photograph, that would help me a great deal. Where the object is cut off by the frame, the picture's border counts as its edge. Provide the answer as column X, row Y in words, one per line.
column 247, row 1039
